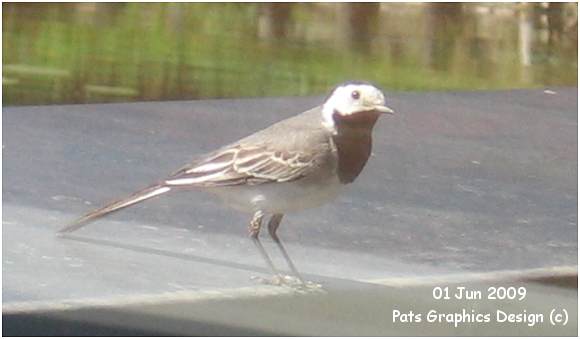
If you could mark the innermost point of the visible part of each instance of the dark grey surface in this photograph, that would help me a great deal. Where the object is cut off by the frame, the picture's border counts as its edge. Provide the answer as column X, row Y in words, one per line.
column 346, row 309
column 459, row 183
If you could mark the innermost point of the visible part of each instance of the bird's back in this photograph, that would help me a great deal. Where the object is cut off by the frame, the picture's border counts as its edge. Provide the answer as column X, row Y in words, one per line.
column 298, row 133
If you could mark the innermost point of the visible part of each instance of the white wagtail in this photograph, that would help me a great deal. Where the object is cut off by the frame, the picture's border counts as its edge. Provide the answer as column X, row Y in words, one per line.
column 297, row 163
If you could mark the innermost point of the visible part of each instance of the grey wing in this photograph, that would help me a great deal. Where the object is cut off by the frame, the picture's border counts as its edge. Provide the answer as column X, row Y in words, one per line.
column 238, row 164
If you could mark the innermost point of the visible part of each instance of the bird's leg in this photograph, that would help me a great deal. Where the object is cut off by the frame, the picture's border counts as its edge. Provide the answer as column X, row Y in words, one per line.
column 272, row 228
column 254, row 230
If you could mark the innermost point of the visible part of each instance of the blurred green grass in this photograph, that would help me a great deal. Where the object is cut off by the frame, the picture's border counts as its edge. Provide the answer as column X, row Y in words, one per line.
column 74, row 53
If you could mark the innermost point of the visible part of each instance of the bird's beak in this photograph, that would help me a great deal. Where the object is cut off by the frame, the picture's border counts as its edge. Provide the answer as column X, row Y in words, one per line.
column 384, row 109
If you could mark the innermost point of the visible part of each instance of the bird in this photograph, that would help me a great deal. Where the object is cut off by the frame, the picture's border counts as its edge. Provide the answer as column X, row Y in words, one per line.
column 295, row 164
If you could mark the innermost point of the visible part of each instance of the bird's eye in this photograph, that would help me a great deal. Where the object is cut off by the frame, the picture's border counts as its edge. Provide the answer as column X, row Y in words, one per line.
column 355, row 95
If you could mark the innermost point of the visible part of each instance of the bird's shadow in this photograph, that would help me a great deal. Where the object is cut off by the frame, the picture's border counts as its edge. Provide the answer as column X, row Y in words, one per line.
column 165, row 253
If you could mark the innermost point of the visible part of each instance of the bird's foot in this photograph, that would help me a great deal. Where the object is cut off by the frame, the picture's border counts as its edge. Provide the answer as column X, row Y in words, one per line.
column 277, row 280
column 289, row 281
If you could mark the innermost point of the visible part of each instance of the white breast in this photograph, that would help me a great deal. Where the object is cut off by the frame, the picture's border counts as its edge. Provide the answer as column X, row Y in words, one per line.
column 280, row 197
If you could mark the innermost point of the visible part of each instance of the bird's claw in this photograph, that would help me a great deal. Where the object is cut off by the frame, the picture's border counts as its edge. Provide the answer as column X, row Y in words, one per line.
column 289, row 281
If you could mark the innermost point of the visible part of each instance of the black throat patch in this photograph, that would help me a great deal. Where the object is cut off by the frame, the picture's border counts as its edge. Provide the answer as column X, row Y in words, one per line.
column 353, row 143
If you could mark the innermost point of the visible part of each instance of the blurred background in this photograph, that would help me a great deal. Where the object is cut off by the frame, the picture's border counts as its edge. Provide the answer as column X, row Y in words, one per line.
column 108, row 52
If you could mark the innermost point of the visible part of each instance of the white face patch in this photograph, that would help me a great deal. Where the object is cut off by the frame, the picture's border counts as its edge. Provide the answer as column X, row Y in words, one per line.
column 351, row 99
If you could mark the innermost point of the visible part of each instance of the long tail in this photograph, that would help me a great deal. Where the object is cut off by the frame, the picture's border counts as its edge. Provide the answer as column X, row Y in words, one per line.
column 136, row 197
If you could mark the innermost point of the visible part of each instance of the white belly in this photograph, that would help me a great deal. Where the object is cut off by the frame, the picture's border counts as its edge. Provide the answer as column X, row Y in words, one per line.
column 279, row 197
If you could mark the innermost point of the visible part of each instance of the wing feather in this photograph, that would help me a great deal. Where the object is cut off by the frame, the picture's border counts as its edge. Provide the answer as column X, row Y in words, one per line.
column 239, row 165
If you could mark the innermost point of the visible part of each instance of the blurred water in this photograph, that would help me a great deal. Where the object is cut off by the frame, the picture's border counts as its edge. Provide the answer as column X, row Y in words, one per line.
column 87, row 52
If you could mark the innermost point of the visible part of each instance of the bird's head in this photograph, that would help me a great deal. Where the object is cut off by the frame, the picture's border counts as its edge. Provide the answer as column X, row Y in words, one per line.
column 352, row 100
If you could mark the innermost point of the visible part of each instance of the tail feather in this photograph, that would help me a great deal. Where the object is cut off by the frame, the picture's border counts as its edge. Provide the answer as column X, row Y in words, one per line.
column 135, row 198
